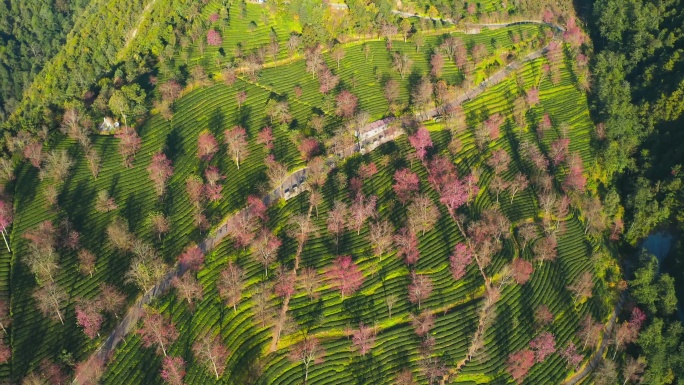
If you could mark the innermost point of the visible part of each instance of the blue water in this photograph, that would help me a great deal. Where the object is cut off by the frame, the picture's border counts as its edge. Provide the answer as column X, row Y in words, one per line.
column 658, row 244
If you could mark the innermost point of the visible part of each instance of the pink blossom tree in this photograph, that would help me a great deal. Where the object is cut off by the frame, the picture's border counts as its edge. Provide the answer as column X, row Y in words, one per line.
column 345, row 276
column 265, row 249
column 266, row 138
column 212, row 354
column 129, row 144
column 559, row 150
column 522, row 270
column 423, row 323
column 206, row 146
column 285, row 282
column 532, row 96
column 173, row 370
column 460, row 260
column 519, row 363
column 214, row 38
column 407, row 245
column 363, row 339
column 572, row 356
column 308, row 148
column 543, row 346
column 419, row 289
column 236, row 139
column 499, row 161
column 543, row 316
column 157, row 330
column 421, row 141
column 89, row 317
column 575, row 180
column 493, row 125
column 6, row 218
column 406, row 184
column 192, row 258
column 230, row 284
column 160, row 171
column 307, row 352
column 346, row 104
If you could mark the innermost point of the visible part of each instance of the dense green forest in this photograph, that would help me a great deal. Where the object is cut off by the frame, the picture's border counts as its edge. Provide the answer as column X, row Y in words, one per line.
column 31, row 33
column 637, row 99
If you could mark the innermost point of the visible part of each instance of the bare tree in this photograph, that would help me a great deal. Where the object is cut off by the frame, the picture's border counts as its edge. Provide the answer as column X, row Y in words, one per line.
column 307, row 352
column 211, row 353
column 51, row 299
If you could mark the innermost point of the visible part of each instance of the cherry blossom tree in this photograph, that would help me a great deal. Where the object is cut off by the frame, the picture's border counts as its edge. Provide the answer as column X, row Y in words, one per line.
column 498, row 185
column 436, row 64
column 423, row 323
column 582, row 287
column 519, row 363
column 522, row 270
column 266, row 138
column 308, row 352
column 633, row 370
column 309, row 281
column 265, row 249
column 337, row 220
column 285, row 282
column 236, row 139
column 111, row 300
column 206, row 146
column 129, row 144
column 519, row 183
column 361, row 209
column 422, row 214
column 499, row 161
column 86, row 261
column 543, row 316
column 157, row 330
column 160, row 224
column 211, row 353
column 5, row 352
column 380, row 236
column 391, row 91
column 421, row 141
column 308, row 148
column 240, row 98
column 590, row 332
column 89, row 317
column 214, row 38
column 104, row 203
column 88, row 372
column 51, row 299
column 192, row 258
column 276, row 173
column 459, row 260
column 363, row 339
column 532, row 96
column 422, row 93
column 559, row 150
column 406, row 184
column 346, row 104
column 420, row 288
column 33, row 152
column 160, row 171
column 188, row 289
column 407, row 245
column 230, row 284
column 173, row 370
column 572, row 357
column 345, row 276
column 328, row 81
column 405, row 376
column 575, row 180
column 401, row 63
column 543, row 346
column 545, row 249
column 543, row 126
column 493, row 125
column 479, row 51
